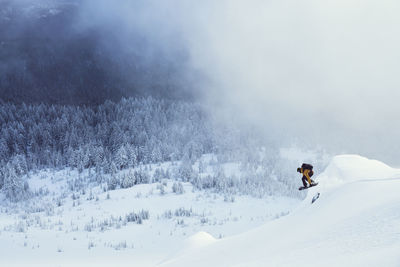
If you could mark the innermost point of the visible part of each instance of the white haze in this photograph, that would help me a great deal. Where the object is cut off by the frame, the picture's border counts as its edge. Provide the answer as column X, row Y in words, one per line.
column 322, row 73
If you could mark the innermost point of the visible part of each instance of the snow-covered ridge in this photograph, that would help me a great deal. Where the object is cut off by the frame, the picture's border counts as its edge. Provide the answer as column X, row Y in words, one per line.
column 355, row 222
column 349, row 168
column 352, row 168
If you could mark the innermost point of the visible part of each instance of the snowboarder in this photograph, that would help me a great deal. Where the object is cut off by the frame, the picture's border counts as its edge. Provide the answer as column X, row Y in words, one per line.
column 306, row 170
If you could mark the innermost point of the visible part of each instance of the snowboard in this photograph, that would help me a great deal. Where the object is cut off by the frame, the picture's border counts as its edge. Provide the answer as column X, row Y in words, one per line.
column 302, row 188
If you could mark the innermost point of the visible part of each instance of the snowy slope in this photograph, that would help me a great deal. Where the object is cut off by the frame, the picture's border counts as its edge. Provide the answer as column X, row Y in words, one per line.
column 355, row 222
column 88, row 226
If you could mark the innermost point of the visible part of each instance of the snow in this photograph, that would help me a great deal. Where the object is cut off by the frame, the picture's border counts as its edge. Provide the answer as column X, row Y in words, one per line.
column 355, row 222
column 198, row 240
column 350, row 168
column 85, row 229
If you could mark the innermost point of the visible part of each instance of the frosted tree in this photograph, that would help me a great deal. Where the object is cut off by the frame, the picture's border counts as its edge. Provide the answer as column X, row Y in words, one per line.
column 98, row 157
column 193, row 151
column 185, row 171
column 3, row 149
column 2, row 173
column 82, row 159
column 115, row 179
column 19, row 165
column 132, row 154
column 156, row 153
column 129, row 179
column 121, row 158
column 14, row 187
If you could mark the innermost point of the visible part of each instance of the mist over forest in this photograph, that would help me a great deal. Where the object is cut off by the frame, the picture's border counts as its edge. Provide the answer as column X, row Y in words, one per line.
column 316, row 75
column 50, row 53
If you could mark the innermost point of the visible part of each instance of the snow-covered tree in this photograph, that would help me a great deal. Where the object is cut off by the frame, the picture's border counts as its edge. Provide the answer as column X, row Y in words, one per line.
column 14, row 187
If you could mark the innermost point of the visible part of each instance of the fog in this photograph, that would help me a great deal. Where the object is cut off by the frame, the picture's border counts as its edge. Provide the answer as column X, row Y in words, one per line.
column 313, row 73
column 320, row 73
column 85, row 52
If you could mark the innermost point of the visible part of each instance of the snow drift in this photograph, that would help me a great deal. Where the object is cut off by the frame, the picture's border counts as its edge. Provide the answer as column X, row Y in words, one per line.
column 350, row 168
column 198, row 240
column 355, row 222
column 345, row 169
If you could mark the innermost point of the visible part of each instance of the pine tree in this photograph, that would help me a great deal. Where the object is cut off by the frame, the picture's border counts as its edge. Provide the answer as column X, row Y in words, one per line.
column 14, row 187
column 121, row 158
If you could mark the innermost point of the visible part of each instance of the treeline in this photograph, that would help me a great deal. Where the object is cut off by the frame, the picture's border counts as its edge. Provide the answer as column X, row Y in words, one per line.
column 127, row 133
column 131, row 134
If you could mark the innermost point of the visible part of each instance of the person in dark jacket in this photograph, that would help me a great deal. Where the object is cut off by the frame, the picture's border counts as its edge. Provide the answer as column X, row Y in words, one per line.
column 307, row 172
